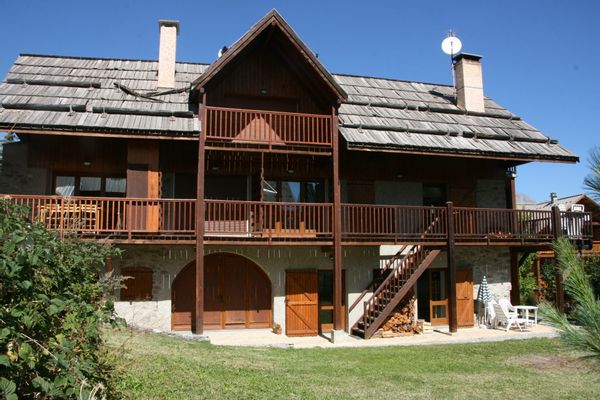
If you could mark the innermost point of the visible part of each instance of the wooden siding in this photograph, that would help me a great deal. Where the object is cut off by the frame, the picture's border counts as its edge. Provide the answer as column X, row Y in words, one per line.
column 265, row 78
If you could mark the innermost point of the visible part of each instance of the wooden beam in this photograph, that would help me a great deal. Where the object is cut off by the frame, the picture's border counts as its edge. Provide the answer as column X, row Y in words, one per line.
column 515, row 297
column 198, row 323
column 456, row 154
column 453, row 314
column 105, row 135
column 557, row 229
column 337, row 227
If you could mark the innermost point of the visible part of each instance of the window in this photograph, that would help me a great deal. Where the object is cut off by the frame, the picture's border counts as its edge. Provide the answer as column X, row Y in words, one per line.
column 138, row 284
column 90, row 186
column 65, row 186
column 434, row 195
column 294, row 191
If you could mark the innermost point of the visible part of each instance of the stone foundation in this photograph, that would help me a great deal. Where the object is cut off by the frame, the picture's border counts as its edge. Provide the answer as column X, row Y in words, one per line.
column 358, row 262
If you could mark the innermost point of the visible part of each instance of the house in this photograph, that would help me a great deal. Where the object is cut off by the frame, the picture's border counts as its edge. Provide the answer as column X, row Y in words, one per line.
column 587, row 247
column 263, row 189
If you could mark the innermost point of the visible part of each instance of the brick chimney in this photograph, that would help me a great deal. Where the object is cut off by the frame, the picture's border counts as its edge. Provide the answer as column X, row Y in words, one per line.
column 469, row 82
column 166, row 54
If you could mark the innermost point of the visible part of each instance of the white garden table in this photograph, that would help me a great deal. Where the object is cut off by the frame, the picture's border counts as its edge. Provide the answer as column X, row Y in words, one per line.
column 526, row 309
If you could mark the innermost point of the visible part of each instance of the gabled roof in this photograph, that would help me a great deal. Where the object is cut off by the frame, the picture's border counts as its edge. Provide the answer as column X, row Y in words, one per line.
column 272, row 19
column 388, row 114
column 112, row 96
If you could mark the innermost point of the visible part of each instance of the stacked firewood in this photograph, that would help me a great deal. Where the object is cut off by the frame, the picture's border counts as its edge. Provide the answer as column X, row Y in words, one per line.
column 402, row 321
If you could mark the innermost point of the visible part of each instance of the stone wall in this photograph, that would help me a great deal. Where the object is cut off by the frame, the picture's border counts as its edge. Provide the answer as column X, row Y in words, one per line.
column 166, row 262
column 493, row 262
column 16, row 177
column 358, row 262
column 491, row 193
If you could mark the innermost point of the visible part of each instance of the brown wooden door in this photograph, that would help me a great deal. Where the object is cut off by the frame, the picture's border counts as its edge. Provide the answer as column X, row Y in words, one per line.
column 464, row 297
column 237, row 294
column 213, row 293
column 302, row 303
column 183, row 299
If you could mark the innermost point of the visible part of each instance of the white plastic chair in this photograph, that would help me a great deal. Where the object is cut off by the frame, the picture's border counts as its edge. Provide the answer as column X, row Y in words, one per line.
column 506, row 305
column 506, row 318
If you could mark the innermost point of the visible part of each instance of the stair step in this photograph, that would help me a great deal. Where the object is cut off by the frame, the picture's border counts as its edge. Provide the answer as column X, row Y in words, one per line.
column 358, row 332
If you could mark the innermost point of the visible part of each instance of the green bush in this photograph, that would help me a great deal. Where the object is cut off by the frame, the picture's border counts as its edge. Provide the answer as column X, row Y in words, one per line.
column 584, row 332
column 527, row 281
column 52, row 309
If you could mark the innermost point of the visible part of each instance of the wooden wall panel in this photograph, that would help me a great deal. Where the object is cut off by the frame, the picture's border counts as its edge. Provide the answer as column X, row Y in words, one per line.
column 264, row 78
column 68, row 154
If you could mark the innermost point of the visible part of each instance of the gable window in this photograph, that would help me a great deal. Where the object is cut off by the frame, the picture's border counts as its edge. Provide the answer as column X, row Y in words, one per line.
column 138, row 284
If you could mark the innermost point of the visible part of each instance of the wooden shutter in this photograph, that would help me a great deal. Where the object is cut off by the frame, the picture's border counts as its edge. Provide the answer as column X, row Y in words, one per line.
column 138, row 285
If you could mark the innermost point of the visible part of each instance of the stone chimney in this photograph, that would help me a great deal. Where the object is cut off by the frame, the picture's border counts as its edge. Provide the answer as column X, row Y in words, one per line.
column 553, row 197
column 469, row 82
column 166, row 54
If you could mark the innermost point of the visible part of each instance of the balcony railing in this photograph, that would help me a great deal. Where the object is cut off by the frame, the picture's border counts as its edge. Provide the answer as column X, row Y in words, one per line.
column 268, row 127
column 128, row 219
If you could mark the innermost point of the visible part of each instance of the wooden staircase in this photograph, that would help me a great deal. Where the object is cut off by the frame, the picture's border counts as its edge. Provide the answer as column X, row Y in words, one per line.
column 405, row 268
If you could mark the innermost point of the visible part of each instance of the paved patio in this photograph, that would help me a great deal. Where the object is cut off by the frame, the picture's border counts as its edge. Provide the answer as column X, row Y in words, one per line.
column 266, row 338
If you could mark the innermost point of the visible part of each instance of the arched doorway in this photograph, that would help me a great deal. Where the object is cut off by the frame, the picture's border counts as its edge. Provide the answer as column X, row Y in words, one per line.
column 237, row 294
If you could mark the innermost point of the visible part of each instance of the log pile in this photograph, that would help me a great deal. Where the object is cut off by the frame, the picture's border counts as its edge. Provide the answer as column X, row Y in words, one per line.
column 402, row 321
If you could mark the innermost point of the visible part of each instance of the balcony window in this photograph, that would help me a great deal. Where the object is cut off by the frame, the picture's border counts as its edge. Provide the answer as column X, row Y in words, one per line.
column 90, row 186
column 293, row 191
column 65, row 186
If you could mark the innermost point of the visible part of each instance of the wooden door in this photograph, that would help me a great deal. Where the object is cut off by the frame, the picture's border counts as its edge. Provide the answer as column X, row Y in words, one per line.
column 237, row 294
column 183, row 299
column 464, row 297
column 213, row 293
column 235, row 286
column 326, row 300
column 438, row 297
column 302, row 303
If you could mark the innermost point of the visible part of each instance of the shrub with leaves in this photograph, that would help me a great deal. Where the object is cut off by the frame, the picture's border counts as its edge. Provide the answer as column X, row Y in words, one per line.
column 584, row 333
column 52, row 309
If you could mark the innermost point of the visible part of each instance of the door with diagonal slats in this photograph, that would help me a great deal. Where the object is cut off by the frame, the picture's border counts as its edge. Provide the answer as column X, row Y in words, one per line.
column 302, row 303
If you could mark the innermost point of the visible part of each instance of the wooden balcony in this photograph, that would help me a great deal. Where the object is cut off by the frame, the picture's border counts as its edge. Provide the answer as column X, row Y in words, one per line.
column 127, row 220
column 240, row 127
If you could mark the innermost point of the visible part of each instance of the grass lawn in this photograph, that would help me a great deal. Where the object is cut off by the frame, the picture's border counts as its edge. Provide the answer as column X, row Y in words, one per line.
column 154, row 366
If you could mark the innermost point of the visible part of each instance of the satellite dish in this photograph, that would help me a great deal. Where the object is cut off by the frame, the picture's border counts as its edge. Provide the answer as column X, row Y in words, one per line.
column 451, row 45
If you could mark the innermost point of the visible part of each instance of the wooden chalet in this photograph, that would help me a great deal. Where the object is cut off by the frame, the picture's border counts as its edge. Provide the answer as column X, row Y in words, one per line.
column 262, row 189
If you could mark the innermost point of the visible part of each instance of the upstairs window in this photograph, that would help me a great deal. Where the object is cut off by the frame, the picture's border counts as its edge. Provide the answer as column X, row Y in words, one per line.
column 294, row 191
column 90, row 186
column 434, row 195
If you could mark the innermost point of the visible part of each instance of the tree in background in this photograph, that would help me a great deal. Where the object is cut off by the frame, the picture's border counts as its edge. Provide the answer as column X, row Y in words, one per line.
column 584, row 332
column 592, row 180
column 52, row 309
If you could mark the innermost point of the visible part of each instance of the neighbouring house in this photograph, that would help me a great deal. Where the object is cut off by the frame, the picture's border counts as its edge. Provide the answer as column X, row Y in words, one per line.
column 263, row 189
column 587, row 247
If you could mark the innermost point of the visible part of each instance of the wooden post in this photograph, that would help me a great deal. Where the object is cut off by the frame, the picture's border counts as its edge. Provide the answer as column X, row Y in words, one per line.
column 198, row 322
column 538, row 276
column 515, row 294
column 453, row 317
column 557, row 229
column 337, row 227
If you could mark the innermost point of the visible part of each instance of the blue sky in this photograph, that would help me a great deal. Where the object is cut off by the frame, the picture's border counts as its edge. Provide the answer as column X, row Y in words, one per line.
column 541, row 59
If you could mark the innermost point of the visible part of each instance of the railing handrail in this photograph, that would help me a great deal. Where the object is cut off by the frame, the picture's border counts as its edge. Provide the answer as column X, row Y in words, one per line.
column 250, row 110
